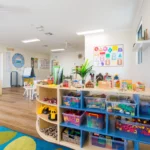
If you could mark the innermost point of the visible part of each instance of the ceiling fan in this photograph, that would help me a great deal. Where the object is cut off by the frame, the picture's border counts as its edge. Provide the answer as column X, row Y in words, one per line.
column 13, row 9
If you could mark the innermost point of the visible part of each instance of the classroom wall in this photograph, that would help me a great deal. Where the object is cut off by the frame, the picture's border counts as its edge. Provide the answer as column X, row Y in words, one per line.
column 142, row 72
column 40, row 73
column 111, row 38
column 68, row 60
column 130, row 70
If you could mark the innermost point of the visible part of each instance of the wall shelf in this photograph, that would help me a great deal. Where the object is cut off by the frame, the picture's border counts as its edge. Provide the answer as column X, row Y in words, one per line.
column 58, row 93
column 141, row 44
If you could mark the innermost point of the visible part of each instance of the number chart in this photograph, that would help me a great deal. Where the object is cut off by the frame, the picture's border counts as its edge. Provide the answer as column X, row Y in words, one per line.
column 108, row 55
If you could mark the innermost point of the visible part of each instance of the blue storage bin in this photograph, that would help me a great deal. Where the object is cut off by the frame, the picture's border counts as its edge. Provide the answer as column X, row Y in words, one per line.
column 145, row 105
column 121, row 105
column 108, row 143
column 95, row 120
column 95, row 102
column 71, row 101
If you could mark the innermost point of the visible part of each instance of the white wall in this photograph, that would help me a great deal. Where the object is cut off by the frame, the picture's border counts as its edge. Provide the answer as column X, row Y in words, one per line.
column 141, row 72
column 40, row 74
column 68, row 60
column 111, row 38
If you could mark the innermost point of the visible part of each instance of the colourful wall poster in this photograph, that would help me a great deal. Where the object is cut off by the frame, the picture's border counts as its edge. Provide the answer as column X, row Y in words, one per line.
column 108, row 55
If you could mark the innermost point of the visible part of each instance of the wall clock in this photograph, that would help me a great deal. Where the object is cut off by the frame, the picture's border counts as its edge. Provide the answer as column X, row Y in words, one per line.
column 18, row 60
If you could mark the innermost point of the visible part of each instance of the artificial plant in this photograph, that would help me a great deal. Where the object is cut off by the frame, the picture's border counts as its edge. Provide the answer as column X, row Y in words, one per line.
column 85, row 69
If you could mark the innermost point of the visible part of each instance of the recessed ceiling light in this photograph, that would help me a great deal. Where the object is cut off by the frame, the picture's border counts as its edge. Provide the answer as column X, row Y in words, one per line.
column 30, row 40
column 56, row 50
column 90, row 32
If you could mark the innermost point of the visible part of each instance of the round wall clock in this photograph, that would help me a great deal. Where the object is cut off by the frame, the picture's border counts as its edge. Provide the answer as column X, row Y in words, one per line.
column 18, row 60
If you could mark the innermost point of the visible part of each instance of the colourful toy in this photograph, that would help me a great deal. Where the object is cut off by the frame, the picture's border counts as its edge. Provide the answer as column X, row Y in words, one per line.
column 116, row 81
column 40, row 110
column 126, row 85
column 89, row 84
column 74, row 117
column 95, row 120
column 139, row 86
column 53, row 113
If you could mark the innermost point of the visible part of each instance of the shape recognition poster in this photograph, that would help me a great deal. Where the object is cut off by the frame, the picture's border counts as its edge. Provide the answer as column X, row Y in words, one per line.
column 108, row 55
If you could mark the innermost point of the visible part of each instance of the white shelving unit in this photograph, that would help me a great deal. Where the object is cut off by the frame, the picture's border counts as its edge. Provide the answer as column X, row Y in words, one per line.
column 141, row 44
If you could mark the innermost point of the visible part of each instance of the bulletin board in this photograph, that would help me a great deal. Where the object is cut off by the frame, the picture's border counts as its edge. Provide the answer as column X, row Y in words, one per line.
column 108, row 55
column 44, row 63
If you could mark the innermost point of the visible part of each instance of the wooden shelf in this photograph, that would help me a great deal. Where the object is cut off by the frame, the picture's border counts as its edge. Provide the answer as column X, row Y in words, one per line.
column 47, row 86
column 45, row 118
column 45, row 137
column 46, row 103
column 57, row 92
column 141, row 44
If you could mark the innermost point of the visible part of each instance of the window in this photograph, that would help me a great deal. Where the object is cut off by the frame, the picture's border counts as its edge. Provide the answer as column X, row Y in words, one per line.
column 139, row 56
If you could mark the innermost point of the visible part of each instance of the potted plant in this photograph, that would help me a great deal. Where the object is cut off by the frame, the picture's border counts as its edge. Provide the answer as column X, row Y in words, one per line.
column 84, row 70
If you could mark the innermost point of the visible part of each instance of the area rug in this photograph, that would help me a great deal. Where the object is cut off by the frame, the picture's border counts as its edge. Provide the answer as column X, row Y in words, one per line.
column 13, row 140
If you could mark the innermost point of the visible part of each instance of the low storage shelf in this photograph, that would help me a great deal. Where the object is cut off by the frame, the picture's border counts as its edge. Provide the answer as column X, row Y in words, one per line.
column 90, row 121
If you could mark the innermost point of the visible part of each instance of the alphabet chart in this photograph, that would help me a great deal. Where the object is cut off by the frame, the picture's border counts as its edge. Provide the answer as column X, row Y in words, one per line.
column 108, row 55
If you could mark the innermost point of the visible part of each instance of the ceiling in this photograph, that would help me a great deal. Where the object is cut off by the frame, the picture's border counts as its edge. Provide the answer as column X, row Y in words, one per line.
column 63, row 18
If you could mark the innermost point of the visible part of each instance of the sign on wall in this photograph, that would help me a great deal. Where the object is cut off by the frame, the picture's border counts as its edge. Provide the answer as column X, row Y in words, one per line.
column 18, row 60
column 44, row 63
column 108, row 55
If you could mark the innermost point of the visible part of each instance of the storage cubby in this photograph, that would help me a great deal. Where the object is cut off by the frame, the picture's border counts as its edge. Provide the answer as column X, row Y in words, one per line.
column 97, row 118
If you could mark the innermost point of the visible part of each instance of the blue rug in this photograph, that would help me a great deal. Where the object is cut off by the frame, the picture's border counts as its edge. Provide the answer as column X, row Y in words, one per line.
column 13, row 140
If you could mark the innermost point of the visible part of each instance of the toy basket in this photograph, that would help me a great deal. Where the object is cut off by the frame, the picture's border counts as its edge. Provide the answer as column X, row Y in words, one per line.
column 126, row 126
column 95, row 102
column 145, row 105
column 95, row 120
column 71, row 136
column 74, row 119
column 71, row 101
column 108, row 143
column 133, row 127
column 121, row 105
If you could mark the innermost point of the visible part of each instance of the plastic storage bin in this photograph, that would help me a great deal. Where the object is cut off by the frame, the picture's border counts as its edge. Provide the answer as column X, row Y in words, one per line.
column 121, row 105
column 108, row 143
column 145, row 105
column 126, row 126
column 71, row 136
column 95, row 120
column 95, row 102
column 73, row 118
column 71, row 101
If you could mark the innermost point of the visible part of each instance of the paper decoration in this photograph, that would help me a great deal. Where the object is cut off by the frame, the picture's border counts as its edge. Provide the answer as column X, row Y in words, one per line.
column 44, row 63
column 108, row 55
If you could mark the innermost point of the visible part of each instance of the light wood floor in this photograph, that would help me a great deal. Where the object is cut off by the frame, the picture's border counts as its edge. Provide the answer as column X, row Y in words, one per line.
column 17, row 112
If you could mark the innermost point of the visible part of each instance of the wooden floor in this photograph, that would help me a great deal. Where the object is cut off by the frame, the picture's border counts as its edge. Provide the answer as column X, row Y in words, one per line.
column 17, row 112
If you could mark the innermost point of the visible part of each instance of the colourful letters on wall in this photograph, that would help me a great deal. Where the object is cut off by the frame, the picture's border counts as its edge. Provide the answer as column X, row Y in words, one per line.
column 108, row 55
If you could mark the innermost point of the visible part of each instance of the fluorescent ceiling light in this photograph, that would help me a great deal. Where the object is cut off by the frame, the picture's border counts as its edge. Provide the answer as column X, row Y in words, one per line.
column 56, row 50
column 90, row 32
column 30, row 40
